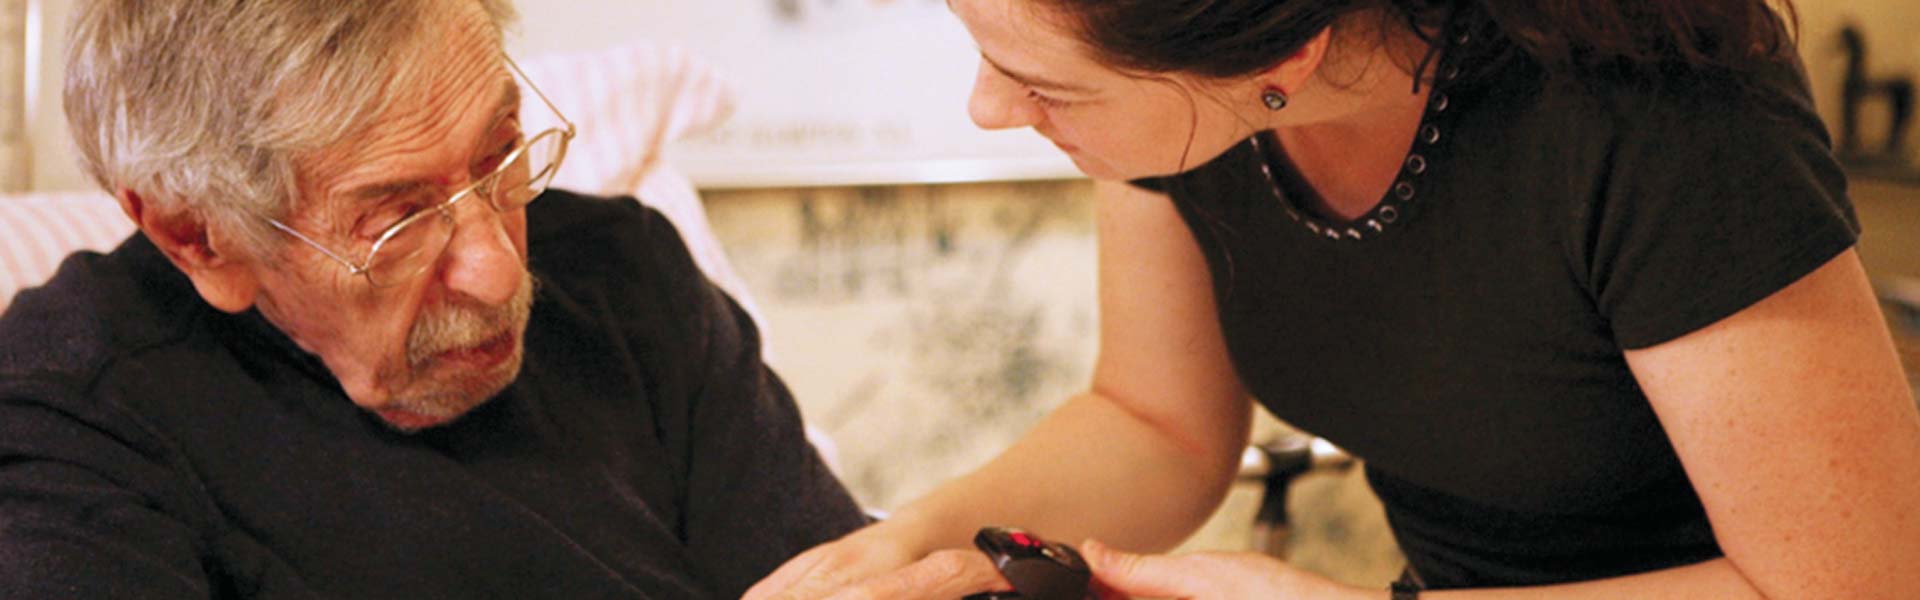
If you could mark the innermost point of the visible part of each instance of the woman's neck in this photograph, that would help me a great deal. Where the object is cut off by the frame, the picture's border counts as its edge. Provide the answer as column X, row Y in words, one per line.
column 1350, row 157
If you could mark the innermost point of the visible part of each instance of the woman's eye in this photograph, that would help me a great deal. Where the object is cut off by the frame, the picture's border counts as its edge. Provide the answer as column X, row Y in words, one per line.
column 1047, row 101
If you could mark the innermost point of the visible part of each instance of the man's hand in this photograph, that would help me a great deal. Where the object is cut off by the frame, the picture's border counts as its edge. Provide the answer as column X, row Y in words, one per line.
column 1209, row 576
column 874, row 563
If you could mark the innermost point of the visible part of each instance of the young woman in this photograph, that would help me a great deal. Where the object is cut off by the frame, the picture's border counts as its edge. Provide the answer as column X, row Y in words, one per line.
column 1576, row 279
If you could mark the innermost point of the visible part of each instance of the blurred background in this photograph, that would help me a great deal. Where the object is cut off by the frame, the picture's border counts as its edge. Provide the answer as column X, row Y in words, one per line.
column 927, row 289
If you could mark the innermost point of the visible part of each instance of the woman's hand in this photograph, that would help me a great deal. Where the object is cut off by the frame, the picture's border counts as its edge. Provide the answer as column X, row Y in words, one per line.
column 1209, row 576
column 878, row 562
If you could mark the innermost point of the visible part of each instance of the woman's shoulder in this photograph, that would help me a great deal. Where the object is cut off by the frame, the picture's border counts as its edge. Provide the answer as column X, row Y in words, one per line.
column 1687, row 108
column 1619, row 130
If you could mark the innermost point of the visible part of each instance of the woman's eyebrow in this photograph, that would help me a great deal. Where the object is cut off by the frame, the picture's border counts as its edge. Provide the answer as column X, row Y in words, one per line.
column 1035, row 81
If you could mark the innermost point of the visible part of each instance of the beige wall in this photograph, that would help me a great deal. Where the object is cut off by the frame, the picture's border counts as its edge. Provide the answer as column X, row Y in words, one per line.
column 53, row 165
column 1892, row 28
column 1890, row 218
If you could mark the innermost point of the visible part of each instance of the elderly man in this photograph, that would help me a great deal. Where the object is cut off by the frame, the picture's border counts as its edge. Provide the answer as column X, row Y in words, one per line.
column 358, row 350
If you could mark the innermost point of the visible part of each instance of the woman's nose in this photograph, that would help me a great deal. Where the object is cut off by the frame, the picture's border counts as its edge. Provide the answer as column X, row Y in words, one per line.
column 999, row 102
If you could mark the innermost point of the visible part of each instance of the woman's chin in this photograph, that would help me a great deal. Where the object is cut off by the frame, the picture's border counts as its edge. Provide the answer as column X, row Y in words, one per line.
column 1096, row 169
column 1100, row 170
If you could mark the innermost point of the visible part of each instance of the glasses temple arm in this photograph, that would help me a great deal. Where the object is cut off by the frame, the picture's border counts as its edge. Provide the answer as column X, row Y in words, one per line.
column 355, row 269
column 543, row 96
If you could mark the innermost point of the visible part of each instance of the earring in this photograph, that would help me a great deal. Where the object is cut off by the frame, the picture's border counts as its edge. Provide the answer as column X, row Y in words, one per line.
column 1273, row 98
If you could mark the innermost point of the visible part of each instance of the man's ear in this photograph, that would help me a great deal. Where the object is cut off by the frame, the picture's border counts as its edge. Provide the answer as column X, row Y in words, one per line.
column 207, row 258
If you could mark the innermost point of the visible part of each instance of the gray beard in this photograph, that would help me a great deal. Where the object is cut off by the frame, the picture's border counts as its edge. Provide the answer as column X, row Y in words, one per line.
column 452, row 327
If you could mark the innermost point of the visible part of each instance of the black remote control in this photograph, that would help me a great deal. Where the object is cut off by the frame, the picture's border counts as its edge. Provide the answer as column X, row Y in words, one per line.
column 1038, row 569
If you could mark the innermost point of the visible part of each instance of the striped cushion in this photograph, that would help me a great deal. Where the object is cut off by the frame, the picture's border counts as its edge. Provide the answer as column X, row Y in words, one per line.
column 628, row 102
column 38, row 230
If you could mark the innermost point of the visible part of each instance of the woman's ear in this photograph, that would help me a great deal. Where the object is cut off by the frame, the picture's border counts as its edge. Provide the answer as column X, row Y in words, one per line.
column 1293, row 72
column 198, row 250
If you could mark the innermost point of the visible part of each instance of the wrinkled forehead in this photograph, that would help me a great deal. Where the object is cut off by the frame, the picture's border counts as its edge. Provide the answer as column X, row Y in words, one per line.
column 442, row 92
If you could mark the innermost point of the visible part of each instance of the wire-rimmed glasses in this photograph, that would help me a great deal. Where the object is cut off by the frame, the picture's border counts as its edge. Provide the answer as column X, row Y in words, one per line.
column 414, row 243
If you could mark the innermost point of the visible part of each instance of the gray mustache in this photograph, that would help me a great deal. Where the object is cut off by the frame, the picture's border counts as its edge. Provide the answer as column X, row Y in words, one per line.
column 459, row 324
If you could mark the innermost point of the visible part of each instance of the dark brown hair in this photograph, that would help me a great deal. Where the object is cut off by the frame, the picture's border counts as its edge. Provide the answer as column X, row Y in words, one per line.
column 1226, row 38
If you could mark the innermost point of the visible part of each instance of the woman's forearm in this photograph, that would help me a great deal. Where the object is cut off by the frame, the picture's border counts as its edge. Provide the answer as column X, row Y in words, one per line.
column 1090, row 469
column 1717, row 579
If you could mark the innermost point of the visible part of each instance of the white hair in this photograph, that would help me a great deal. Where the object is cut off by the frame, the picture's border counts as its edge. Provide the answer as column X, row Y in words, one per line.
column 204, row 107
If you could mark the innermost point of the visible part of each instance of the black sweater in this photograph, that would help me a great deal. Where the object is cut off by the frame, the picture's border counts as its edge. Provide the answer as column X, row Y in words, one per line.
column 153, row 447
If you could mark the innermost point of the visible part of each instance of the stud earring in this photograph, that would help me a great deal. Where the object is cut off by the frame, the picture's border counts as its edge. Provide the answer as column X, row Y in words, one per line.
column 1273, row 98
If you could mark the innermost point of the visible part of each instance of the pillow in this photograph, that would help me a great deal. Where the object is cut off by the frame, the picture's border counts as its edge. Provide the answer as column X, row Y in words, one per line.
column 628, row 102
column 38, row 230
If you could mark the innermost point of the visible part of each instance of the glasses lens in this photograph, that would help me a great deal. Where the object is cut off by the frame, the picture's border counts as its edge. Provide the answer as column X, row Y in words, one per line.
column 530, row 172
column 409, row 249
column 414, row 245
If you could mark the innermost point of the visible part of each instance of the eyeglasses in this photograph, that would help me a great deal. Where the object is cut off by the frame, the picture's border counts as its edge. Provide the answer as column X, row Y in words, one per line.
column 414, row 243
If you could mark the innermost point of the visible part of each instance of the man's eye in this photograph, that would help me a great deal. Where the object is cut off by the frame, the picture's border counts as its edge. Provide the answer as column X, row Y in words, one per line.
column 493, row 160
column 377, row 223
column 380, row 221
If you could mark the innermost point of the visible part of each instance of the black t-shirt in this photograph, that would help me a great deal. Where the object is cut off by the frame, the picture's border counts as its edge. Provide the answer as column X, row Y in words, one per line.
column 1466, row 338
column 152, row 447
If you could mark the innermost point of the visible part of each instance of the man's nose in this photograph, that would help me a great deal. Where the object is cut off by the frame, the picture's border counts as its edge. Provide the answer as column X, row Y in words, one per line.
column 482, row 259
column 999, row 102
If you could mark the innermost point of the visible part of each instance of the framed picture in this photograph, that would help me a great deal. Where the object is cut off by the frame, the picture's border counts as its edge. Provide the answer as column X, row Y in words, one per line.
column 827, row 92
